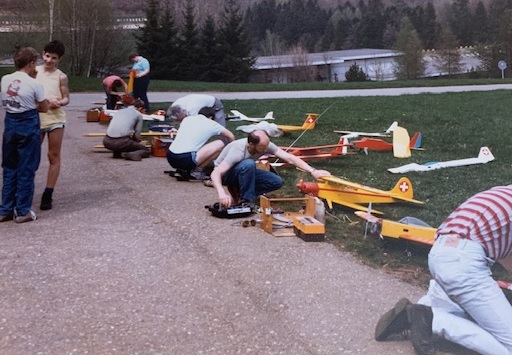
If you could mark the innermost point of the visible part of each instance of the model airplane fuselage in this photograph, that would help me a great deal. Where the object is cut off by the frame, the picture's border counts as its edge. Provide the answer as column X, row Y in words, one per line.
column 309, row 123
column 242, row 117
column 355, row 196
column 376, row 144
column 407, row 228
column 484, row 156
column 314, row 153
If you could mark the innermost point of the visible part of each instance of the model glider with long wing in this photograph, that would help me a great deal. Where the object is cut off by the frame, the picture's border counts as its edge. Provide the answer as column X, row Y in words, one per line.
column 484, row 156
column 355, row 196
column 242, row 117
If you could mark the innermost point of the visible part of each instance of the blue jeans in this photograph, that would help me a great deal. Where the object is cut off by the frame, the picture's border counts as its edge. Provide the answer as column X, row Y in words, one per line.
column 468, row 306
column 21, row 154
column 140, row 90
column 251, row 182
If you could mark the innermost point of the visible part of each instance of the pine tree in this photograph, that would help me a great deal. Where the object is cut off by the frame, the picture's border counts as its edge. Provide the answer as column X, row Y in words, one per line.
column 189, row 50
column 166, row 53
column 211, row 52
column 411, row 64
column 356, row 73
column 447, row 57
column 237, row 62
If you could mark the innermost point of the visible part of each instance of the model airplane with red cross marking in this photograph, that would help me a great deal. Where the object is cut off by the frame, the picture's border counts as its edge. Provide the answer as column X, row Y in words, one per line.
column 355, row 196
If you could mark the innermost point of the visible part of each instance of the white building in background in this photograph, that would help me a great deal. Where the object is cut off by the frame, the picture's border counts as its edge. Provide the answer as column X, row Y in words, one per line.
column 378, row 64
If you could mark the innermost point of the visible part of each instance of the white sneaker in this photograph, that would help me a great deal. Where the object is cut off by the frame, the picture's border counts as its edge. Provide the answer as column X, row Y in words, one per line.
column 199, row 175
column 29, row 217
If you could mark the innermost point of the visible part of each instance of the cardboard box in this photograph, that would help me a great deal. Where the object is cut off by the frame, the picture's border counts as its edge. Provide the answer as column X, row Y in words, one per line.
column 93, row 115
column 159, row 146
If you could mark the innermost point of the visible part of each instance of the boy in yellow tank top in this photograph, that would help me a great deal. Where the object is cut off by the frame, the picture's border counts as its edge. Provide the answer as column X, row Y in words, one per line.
column 56, row 89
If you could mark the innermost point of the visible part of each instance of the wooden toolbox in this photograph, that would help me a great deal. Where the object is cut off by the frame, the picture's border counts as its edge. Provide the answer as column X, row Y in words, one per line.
column 93, row 115
column 301, row 224
column 160, row 145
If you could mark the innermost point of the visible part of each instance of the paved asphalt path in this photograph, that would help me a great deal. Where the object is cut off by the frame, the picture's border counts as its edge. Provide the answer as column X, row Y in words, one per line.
column 129, row 262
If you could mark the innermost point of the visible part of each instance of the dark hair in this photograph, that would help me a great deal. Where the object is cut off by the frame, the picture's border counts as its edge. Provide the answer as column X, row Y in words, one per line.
column 24, row 56
column 132, row 55
column 138, row 103
column 56, row 47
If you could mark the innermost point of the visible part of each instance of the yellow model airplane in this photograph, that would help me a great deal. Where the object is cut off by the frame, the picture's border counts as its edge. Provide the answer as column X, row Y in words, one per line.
column 309, row 123
column 408, row 228
column 353, row 195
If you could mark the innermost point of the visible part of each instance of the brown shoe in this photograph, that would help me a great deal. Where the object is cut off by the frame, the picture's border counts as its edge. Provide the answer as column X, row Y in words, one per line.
column 7, row 217
column 135, row 156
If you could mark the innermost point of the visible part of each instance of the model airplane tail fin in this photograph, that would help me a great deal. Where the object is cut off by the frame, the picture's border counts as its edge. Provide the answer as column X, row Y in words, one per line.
column 310, row 121
column 403, row 188
column 269, row 115
column 392, row 127
column 485, row 154
column 401, row 143
column 342, row 148
column 416, row 140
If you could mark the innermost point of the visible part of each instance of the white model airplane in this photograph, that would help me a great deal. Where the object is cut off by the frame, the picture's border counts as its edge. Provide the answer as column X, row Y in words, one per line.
column 484, row 156
column 354, row 134
column 242, row 117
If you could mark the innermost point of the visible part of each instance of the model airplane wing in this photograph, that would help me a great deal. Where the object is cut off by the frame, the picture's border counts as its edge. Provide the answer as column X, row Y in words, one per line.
column 484, row 156
column 151, row 117
column 403, row 189
column 242, row 117
column 354, row 134
column 271, row 128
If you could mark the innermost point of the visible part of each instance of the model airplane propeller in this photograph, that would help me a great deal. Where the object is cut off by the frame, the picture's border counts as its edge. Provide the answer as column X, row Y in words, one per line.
column 355, row 196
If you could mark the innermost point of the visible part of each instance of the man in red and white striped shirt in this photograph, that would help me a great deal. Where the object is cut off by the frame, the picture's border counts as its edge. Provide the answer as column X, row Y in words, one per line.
column 468, row 307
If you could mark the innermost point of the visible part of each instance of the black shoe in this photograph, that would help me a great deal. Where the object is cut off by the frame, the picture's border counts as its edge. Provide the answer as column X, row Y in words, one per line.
column 46, row 203
column 184, row 175
column 420, row 318
column 393, row 321
column 117, row 155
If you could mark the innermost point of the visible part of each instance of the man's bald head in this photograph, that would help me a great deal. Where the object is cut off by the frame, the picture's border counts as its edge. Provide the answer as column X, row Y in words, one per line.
column 258, row 141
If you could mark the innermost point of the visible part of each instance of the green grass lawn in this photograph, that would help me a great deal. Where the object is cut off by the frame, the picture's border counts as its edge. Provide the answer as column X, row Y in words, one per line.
column 454, row 126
